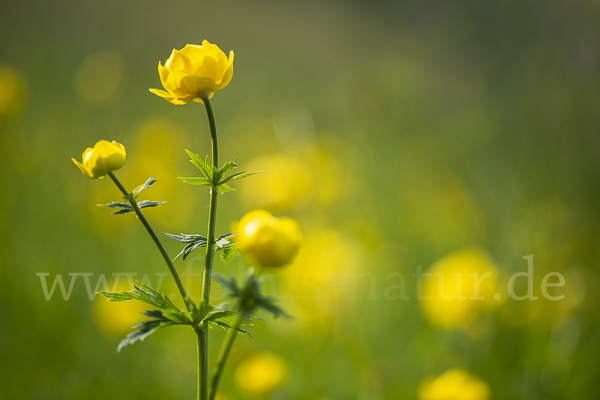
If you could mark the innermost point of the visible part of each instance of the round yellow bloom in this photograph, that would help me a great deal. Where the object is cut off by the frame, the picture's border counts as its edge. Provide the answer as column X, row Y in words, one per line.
column 454, row 384
column 12, row 92
column 104, row 157
column 194, row 72
column 458, row 288
column 260, row 374
column 267, row 240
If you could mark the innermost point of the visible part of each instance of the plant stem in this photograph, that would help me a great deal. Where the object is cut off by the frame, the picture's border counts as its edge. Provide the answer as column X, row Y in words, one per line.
column 223, row 355
column 131, row 199
column 208, row 264
column 202, row 339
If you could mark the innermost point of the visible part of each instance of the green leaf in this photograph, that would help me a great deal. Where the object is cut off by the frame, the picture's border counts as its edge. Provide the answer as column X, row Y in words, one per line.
column 124, row 208
column 229, row 284
column 136, row 192
column 240, row 175
column 203, row 165
column 228, row 319
column 148, row 203
column 196, row 181
column 144, row 330
column 222, row 241
column 186, row 238
column 250, row 296
column 148, row 327
column 227, row 167
column 225, row 188
column 194, row 241
column 148, row 295
column 229, row 253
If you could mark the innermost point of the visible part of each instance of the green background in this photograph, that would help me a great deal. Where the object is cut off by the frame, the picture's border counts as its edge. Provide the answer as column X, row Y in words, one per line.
column 442, row 126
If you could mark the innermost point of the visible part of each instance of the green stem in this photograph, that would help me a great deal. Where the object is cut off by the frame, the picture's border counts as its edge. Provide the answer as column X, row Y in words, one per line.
column 208, row 263
column 131, row 199
column 202, row 339
column 223, row 355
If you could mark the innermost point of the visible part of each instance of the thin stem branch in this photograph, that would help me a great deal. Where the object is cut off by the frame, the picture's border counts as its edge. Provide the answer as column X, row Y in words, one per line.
column 202, row 339
column 208, row 263
column 131, row 199
column 223, row 355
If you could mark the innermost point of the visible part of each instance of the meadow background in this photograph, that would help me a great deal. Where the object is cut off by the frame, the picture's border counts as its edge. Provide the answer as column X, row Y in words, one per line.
column 398, row 133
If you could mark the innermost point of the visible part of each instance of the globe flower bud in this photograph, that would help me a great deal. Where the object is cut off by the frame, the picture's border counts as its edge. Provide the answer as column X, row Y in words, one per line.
column 194, row 72
column 267, row 240
column 104, row 157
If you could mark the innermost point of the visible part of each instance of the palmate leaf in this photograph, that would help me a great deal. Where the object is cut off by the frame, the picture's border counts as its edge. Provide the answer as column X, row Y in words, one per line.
column 240, row 175
column 148, row 327
column 250, row 296
column 213, row 176
column 195, row 181
column 124, row 208
column 203, row 165
column 228, row 319
column 146, row 295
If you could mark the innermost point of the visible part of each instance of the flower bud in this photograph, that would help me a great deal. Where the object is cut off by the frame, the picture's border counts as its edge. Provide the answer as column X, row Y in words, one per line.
column 267, row 240
column 194, row 72
column 104, row 157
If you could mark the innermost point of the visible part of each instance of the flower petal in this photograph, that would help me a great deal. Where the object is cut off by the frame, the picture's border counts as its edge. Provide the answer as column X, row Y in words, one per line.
column 168, row 96
column 197, row 86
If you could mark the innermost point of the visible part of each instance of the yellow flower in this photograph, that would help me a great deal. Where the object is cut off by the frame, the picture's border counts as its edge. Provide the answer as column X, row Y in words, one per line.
column 454, row 384
column 267, row 240
column 12, row 92
column 104, row 157
column 260, row 374
column 194, row 72
column 458, row 288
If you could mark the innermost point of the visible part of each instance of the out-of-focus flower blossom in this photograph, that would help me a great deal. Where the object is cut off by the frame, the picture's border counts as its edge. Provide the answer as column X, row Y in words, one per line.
column 260, row 374
column 99, row 76
column 268, row 240
column 104, row 157
column 288, row 183
column 194, row 72
column 458, row 288
column 454, row 384
column 324, row 279
column 12, row 92
column 117, row 318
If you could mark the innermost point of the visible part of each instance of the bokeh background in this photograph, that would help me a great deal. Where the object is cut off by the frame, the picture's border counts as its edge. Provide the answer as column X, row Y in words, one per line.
column 404, row 136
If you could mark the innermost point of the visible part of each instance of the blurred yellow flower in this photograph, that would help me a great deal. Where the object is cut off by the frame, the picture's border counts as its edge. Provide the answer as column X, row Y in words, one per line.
column 99, row 76
column 12, row 92
column 260, row 374
column 117, row 318
column 288, row 183
column 104, row 157
column 458, row 288
column 194, row 72
column 268, row 240
column 324, row 279
column 454, row 384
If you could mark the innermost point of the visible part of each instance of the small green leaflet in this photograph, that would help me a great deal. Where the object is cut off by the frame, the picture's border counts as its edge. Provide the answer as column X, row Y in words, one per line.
column 193, row 242
column 147, row 295
column 214, row 177
column 250, row 295
column 124, row 208
column 146, row 185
